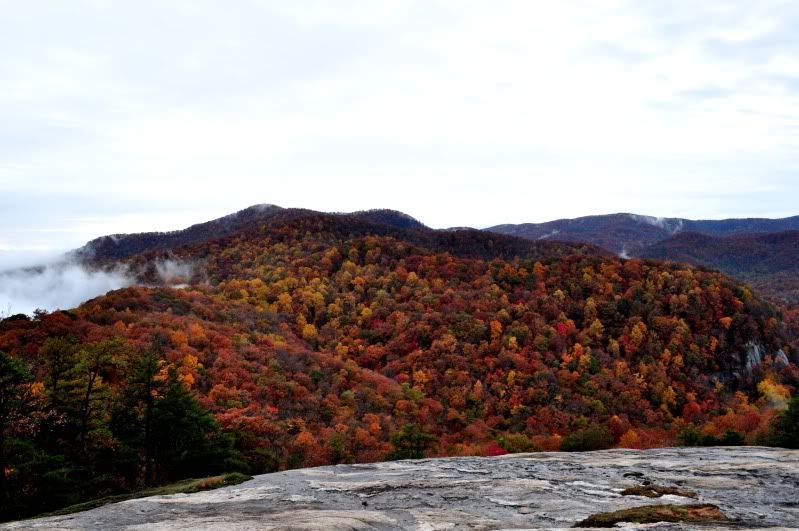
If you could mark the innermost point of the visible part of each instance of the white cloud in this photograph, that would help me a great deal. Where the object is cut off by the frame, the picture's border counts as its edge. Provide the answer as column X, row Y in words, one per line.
column 31, row 280
column 458, row 112
column 54, row 286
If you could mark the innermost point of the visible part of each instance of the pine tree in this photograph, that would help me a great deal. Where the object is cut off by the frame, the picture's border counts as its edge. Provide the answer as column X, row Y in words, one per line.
column 186, row 438
column 15, row 397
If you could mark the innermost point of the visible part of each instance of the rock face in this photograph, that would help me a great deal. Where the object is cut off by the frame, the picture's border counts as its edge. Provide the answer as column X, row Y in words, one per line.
column 755, row 488
column 754, row 356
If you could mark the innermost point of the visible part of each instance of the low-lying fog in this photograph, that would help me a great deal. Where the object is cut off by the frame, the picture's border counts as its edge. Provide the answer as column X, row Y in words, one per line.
column 59, row 283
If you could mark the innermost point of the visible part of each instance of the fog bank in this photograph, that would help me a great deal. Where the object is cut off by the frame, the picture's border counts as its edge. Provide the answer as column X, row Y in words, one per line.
column 61, row 282
column 55, row 286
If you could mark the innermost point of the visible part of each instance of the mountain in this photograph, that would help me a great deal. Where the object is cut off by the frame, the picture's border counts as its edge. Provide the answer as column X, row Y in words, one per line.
column 392, row 218
column 739, row 254
column 763, row 252
column 769, row 261
column 629, row 234
column 303, row 339
column 381, row 222
column 118, row 246
column 619, row 233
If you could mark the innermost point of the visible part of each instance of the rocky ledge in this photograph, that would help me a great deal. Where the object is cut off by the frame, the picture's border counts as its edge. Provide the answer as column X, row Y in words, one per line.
column 733, row 488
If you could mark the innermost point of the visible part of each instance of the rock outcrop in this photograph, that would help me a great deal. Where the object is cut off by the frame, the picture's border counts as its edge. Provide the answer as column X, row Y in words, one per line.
column 752, row 487
column 756, row 354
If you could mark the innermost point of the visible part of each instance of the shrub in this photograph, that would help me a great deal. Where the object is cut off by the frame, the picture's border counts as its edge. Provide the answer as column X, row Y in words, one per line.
column 593, row 438
column 785, row 427
column 516, row 443
column 732, row 438
column 690, row 436
column 410, row 443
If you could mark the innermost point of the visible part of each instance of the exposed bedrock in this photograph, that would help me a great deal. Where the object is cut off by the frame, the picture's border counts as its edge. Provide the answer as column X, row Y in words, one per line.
column 753, row 488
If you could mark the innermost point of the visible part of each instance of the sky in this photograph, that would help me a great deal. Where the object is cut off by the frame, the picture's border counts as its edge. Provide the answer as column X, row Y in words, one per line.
column 129, row 116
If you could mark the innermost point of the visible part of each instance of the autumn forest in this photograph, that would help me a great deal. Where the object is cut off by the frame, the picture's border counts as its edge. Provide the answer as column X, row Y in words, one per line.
column 313, row 339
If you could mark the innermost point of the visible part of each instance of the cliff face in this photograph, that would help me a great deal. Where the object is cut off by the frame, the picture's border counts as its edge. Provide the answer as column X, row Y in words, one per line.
column 753, row 487
column 755, row 355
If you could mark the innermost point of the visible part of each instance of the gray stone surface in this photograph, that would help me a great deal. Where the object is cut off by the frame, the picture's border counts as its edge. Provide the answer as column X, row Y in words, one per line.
column 758, row 488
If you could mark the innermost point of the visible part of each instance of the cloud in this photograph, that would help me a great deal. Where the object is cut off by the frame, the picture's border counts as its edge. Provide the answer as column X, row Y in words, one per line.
column 62, row 283
column 671, row 225
column 174, row 272
column 54, row 286
column 577, row 107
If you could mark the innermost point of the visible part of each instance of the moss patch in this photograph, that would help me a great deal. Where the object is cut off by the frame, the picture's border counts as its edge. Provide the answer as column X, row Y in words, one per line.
column 656, row 491
column 186, row 486
column 650, row 514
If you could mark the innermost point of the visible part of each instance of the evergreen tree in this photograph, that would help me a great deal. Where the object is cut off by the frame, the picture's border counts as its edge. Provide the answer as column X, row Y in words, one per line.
column 95, row 362
column 132, row 420
column 186, row 438
column 785, row 426
column 15, row 397
column 410, row 442
column 163, row 424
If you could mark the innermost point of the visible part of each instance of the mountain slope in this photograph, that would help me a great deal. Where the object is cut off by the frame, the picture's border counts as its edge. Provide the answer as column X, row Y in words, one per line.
column 631, row 233
column 769, row 261
column 619, row 233
column 253, row 220
column 740, row 254
column 392, row 218
column 763, row 252
column 118, row 246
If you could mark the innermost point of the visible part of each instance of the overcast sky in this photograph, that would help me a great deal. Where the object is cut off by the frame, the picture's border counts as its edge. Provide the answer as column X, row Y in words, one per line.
column 146, row 115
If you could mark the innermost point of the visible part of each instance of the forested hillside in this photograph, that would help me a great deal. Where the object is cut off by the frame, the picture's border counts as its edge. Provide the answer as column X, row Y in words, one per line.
column 770, row 262
column 762, row 252
column 326, row 339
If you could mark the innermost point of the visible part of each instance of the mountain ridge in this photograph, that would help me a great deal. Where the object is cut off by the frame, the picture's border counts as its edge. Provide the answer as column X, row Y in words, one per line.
column 628, row 232
column 383, row 222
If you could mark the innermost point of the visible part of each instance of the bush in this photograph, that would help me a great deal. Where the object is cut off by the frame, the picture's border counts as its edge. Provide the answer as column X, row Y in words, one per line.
column 410, row 443
column 690, row 436
column 732, row 438
column 516, row 443
column 785, row 427
column 593, row 438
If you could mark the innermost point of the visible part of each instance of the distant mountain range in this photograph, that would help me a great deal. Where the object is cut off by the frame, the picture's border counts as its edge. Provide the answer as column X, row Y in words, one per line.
column 631, row 233
column 739, row 254
column 464, row 242
column 763, row 252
